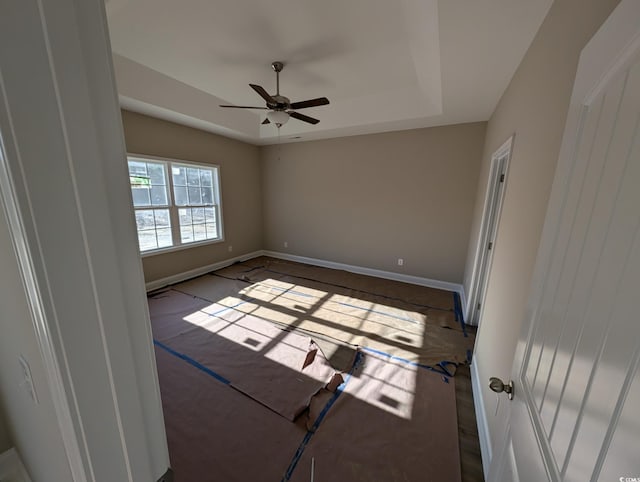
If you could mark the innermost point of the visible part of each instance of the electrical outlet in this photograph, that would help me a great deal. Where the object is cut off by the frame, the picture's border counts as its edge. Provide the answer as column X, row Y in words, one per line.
column 400, row 262
column 286, row 244
column 230, row 248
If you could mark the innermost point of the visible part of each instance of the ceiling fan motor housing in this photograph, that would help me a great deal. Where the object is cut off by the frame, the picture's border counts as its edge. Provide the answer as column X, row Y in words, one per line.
column 282, row 103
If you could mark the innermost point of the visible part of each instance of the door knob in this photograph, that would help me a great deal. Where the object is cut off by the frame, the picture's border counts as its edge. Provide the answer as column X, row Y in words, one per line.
column 499, row 386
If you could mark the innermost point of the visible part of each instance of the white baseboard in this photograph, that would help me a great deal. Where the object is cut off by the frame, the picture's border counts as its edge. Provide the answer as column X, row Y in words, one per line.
column 481, row 418
column 416, row 280
column 177, row 278
column 405, row 278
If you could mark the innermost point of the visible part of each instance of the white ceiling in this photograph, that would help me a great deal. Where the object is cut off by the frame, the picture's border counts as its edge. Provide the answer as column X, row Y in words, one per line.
column 384, row 64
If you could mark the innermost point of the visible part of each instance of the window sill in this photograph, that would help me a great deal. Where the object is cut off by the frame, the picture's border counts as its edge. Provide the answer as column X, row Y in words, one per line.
column 171, row 249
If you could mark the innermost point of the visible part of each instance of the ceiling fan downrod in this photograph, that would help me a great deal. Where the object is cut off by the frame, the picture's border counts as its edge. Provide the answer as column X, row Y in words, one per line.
column 277, row 68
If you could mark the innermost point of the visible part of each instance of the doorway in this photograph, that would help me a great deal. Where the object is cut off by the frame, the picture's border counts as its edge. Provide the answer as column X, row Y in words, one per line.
column 488, row 230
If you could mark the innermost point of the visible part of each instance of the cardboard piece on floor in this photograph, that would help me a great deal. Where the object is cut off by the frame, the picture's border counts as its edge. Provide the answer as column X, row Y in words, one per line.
column 286, row 387
column 168, row 306
column 421, row 295
column 306, row 309
column 393, row 421
column 257, row 357
column 216, row 433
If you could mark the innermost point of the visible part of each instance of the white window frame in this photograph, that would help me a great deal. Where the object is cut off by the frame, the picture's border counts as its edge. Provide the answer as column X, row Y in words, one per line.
column 178, row 245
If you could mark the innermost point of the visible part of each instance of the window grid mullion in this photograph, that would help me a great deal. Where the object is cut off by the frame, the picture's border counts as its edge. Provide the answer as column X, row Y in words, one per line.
column 173, row 209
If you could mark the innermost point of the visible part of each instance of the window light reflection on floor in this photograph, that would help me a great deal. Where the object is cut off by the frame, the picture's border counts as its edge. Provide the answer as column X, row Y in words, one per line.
column 255, row 317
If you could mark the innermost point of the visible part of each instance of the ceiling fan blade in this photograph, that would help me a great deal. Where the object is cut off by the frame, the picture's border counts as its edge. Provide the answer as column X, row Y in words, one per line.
column 266, row 121
column 310, row 103
column 263, row 93
column 302, row 117
column 243, row 107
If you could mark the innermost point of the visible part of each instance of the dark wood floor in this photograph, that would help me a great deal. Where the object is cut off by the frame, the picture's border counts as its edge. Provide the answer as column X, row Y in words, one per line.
column 470, row 457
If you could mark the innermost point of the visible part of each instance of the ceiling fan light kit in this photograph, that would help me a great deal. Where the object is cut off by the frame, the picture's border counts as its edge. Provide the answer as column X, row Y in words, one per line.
column 278, row 117
column 280, row 107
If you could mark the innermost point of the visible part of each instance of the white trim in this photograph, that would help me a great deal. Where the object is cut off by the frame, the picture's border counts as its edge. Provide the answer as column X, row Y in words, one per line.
column 481, row 420
column 463, row 303
column 180, row 247
column 56, row 371
column 492, row 208
column 405, row 278
column 414, row 280
column 193, row 273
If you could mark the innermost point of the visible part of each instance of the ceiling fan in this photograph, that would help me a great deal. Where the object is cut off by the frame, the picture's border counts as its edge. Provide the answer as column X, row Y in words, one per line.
column 280, row 107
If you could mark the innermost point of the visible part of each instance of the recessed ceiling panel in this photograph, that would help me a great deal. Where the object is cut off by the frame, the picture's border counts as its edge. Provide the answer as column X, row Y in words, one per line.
column 378, row 61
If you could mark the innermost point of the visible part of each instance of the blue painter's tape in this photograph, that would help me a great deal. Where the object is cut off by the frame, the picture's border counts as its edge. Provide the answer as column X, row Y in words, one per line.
column 226, row 308
column 458, row 311
column 192, row 362
column 438, row 368
column 305, row 441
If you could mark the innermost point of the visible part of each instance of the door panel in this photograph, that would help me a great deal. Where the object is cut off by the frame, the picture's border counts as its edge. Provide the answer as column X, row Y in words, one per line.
column 621, row 459
column 577, row 371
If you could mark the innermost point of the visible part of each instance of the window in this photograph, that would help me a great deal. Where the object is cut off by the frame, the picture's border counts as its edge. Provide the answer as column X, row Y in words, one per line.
column 176, row 203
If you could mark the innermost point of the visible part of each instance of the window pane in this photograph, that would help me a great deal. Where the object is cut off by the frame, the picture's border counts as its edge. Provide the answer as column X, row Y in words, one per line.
column 180, row 194
column 207, row 195
column 159, row 195
column 212, row 230
column 156, row 173
column 162, row 218
column 141, row 196
column 154, row 228
column 194, row 195
column 144, row 219
column 137, row 168
column 206, row 178
column 186, row 234
column 164, row 237
column 199, row 232
column 185, row 216
column 179, row 176
column 193, row 176
column 147, row 240
column 209, row 215
column 198, row 215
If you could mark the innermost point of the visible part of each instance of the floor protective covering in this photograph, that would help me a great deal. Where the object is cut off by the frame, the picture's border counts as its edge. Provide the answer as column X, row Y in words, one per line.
column 268, row 368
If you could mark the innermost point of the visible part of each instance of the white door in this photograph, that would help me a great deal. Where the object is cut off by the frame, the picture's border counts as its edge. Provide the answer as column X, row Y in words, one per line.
column 576, row 378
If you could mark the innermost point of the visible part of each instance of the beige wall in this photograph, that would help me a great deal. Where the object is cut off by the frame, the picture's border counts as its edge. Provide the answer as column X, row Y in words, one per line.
column 240, row 185
column 369, row 200
column 534, row 107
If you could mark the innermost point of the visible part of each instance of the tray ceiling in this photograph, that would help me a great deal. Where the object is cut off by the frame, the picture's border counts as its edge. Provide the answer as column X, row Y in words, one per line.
column 384, row 65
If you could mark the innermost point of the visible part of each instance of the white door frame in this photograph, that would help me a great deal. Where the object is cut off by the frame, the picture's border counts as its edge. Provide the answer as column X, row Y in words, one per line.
column 64, row 185
column 494, row 198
